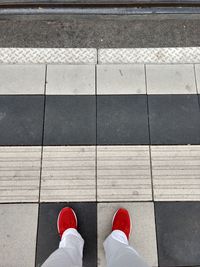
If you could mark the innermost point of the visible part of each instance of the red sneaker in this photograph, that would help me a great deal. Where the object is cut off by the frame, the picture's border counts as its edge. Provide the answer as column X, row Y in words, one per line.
column 122, row 222
column 66, row 219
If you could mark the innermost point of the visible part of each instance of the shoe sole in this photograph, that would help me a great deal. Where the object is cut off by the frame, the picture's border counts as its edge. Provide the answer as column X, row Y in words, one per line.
column 59, row 219
column 130, row 221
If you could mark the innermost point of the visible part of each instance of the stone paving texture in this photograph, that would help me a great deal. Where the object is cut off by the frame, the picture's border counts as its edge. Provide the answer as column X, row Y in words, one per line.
column 97, row 142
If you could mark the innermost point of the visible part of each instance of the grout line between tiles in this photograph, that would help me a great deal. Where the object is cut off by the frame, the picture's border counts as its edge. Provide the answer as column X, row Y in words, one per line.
column 45, row 84
column 96, row 128
column 150, row 157
column 96, row 162
column 156, row 233
column 195, row 77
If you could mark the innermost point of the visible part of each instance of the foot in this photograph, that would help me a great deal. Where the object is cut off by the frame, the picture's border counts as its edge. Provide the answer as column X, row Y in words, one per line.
column 66, row 219
column 122, row 222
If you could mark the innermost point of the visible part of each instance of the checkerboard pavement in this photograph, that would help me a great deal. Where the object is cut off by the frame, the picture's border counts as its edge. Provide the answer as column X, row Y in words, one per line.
column 98, row 137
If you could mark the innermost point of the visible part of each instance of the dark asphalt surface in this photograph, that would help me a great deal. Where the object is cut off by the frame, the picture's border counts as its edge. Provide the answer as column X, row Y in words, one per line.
column 100, row 31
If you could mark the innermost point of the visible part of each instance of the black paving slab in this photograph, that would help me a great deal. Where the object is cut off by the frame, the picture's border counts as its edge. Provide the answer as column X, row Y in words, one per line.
column 178, row 233
column 48, row 238
column 21, row 120
column 70, row 120
column 174, row 119
column 122, row 119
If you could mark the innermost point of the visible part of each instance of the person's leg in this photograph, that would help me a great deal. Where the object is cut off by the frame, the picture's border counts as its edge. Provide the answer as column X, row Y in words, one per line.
column 117, row 249
column 70, row 251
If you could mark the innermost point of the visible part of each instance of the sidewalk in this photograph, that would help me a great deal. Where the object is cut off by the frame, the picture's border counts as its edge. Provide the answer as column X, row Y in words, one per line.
column 98, row 133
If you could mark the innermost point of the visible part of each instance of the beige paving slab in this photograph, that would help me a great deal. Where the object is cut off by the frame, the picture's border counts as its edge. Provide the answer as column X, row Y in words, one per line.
column 68, row 174
column 170, row 79
column 197, row 71
column 18, row 230
column 121, row 79
column 22, row 79
column 70, row 80
column 123, row 173
column 176, row 172
column 143, row 237
column 19, row 174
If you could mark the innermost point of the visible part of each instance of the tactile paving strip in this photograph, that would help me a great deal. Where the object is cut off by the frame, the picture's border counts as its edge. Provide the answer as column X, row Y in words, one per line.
column 150, row 55
column 48, row 55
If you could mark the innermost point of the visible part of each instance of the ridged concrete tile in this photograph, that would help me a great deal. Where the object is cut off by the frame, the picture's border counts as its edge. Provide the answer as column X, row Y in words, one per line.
column 197, row 72
column 123, row 173
column 22, row 79
column 171, row 79
column 68, row 174
column 70, row 80
column 19, row 174
column 143, row 237
column 176, row 172
column 18, row 230
column 121, row 79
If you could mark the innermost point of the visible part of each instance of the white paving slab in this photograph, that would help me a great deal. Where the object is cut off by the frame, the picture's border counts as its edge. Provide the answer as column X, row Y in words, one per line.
column 22, row 79
column 176, row 172
column 19, row 174
column 70, row 80
column 68, row 174
column 121, row 79
column 170, row 79
column 197, row 71
column 123, row 173
column 143, row 237
column 18, row 230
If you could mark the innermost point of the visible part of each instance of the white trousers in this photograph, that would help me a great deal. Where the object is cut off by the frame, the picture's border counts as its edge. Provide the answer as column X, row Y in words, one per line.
column 117, row 250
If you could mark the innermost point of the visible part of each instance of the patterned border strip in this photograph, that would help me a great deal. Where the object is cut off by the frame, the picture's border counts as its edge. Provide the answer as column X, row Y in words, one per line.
column 149, row 55
column 105, row 56
column 48, row 55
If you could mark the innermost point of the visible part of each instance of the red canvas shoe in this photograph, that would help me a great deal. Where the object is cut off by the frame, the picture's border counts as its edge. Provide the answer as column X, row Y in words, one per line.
column 66, row 219
column 122, row 222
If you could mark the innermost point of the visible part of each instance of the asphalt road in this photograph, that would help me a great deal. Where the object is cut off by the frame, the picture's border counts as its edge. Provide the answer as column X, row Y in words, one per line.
column 100, row 31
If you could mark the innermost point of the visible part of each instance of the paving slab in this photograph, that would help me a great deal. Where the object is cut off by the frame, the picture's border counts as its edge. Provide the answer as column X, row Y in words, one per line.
column 70, row 120
column 176, row 172
column 70, row 80
column 121, row 79
column 21, row 120
column 122, row 120
column 123, row 173
column 48, row 238
column 68, row 174
column 143, row 237
column 170, row 79
column 20, row 174
column 178, row 233
column 174, row 119
column 22, row 79
column 18, row 230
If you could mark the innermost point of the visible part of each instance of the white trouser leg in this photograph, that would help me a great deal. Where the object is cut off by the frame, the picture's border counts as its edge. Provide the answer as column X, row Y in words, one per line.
column 69, row 253
column 119, row 253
